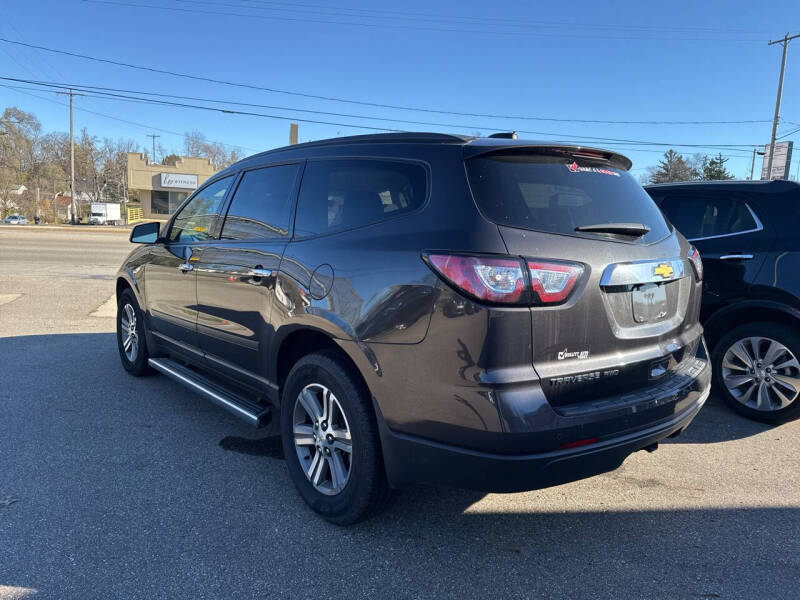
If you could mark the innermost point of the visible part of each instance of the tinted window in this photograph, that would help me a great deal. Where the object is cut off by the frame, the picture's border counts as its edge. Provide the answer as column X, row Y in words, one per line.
column 338, row 194
column 557, row 194
column 195, row 222
column 261, row 204
column 699, row 216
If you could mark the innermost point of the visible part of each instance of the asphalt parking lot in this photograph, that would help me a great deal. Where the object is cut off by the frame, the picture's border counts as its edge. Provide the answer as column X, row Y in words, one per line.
column 118, row 487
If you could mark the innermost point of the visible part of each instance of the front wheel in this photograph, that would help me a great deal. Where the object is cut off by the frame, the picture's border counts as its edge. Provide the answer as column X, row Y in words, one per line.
column 131, row 340
column 756, row 369
column 330, row 440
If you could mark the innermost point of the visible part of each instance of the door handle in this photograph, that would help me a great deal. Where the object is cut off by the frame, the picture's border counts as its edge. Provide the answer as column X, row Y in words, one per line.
column 257, row 275
column 736, row 257
column 186, row 266
column 259, row 272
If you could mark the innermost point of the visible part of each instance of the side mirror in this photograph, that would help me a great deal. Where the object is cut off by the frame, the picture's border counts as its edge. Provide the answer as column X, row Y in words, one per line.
column 145, row 233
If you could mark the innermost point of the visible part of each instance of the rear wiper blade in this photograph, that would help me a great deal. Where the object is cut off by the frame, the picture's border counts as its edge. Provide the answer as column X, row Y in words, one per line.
column 634, row 229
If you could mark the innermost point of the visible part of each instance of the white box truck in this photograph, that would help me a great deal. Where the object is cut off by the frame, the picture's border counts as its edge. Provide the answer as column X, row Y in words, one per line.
column 104, row 213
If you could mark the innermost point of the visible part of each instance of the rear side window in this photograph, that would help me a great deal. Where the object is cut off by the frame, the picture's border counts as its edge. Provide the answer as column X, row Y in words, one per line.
column 340, row 194
column 557, row 194
column 261, row 204
column 706, row 215
column 195, row 221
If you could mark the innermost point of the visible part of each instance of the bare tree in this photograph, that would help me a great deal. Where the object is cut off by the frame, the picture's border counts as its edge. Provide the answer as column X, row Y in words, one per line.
column 196, row 145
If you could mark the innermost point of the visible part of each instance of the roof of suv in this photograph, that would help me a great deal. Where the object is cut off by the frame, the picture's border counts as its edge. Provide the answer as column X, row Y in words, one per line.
column 478, row 145
column 776, row 186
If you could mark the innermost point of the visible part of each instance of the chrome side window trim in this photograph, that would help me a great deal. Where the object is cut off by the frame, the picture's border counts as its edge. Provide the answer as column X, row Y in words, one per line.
column 758, row 227
column 639, row 272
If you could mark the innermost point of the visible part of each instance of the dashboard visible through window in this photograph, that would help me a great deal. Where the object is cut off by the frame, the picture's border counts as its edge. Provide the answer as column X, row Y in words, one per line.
column 195, row 222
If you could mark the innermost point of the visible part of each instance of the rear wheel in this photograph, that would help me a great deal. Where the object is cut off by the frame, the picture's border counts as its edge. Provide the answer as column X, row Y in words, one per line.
column 131, row 340
column 330, row 440
column 756, row 368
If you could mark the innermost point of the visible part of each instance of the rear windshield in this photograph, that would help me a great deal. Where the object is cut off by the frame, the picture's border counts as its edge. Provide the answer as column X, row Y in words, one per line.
column 557, row 194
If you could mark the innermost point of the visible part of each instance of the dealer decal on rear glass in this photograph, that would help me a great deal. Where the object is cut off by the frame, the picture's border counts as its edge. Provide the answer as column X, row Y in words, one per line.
column 575, row 168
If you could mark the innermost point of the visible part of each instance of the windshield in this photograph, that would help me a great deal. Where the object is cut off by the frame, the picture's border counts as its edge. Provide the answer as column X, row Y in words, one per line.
column 557, row 194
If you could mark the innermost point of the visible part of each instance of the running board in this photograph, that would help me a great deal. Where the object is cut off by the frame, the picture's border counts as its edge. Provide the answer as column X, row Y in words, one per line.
column 247, row 410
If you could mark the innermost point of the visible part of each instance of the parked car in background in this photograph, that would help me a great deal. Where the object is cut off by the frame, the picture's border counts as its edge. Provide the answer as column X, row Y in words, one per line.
column 747, row 234
column 15, row 220
column 492, row 314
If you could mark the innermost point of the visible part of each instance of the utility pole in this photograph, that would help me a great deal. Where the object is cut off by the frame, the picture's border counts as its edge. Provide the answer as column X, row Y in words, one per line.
column 785, row 42
column 292, row 134
column 73, row 205
column 150, row 135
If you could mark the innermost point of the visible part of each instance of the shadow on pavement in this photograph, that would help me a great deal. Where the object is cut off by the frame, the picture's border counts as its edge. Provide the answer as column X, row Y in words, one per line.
column 122, row 488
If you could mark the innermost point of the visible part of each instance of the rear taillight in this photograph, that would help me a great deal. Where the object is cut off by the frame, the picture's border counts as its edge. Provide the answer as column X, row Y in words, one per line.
column 553, row 282
column 485, row 278
column 697, row 262
column 503, row 280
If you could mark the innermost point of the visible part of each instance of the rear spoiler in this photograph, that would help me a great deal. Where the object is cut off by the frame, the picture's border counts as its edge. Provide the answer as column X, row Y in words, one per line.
column 612, row 159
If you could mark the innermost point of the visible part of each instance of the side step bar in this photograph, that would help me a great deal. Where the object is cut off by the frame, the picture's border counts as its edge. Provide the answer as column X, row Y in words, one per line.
column 247, row 410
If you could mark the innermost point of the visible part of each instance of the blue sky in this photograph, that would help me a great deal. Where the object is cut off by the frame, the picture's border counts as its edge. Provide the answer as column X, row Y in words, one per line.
column 616, row 61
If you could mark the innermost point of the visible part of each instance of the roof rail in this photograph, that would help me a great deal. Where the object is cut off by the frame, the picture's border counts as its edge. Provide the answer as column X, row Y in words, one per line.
column 505, row 135
column 379, row 138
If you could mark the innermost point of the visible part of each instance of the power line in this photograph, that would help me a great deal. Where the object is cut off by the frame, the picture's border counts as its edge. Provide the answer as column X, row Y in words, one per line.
column 729, row 153
column 111, row 92
column 44, row 61
column 145, row 126
column 306, row 20
column 485, row 18
column 339, row 11
column 472, row 126
column 360, row 102
column 788, row 133
column 567, row 138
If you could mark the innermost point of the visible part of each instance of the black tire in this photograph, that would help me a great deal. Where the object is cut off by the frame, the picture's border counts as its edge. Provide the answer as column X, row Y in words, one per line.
column 785, row 335
column 366, row 491
column 136, row 364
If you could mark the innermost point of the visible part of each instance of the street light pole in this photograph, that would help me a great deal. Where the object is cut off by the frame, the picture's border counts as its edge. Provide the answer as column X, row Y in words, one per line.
column 753, row 164
column 785, row 42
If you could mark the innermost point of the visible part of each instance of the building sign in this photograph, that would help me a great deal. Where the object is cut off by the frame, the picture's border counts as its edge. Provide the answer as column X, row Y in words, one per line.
column 177, row 180
column 781, row 162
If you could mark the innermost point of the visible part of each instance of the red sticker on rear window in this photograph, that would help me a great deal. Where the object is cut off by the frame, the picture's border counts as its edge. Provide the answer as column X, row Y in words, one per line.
column 578, row 169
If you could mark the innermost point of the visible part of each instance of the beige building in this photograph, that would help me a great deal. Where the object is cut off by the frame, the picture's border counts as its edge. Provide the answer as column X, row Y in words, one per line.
column 161, row 188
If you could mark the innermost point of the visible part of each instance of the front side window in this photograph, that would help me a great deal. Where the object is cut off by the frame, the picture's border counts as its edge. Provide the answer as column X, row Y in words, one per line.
column 261, row 204
column 340, row 194
column 702, row 216
column 195, row 222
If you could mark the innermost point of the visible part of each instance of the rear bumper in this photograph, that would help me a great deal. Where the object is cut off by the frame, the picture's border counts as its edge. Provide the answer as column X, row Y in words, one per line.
column 411, row 459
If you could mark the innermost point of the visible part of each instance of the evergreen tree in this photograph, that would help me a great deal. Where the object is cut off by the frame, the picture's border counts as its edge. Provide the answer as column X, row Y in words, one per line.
column 714, row 168
column 673, row 167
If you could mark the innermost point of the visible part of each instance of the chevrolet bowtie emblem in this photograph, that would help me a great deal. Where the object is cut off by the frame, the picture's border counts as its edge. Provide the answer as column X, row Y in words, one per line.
column 664, row 270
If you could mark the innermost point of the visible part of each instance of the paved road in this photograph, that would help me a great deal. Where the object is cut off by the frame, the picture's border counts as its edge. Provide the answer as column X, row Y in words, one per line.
column 117, row 487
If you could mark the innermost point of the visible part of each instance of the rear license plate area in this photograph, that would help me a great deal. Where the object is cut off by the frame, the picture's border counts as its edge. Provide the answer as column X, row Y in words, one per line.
column 649, row 303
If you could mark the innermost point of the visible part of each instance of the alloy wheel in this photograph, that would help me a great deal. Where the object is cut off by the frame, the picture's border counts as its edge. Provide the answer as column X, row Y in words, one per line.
column 128, row 334
column 322, row 439
column 761, row 373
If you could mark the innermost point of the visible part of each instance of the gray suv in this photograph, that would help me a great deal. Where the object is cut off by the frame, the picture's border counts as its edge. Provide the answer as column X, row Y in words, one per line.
column 486, row 313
